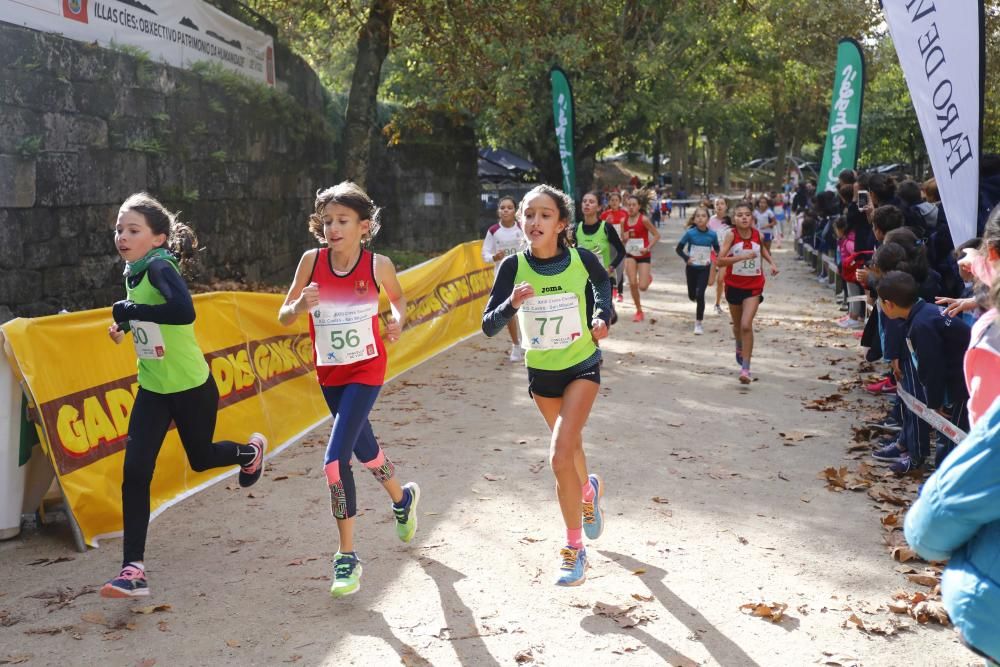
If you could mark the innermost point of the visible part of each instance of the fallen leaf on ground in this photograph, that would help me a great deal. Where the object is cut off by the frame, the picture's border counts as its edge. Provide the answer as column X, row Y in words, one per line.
column 301, row 561
column 923, row 579
column 233, row 643
column 50, row 630
column 773, row 612
column 51, row 561
column 839, row 660
column 493, row 478
column 903, row 554
column 95, row 617
column 930, row 610
column 524, row 656
column 297, row 657
column 658, row 499
column 625, row 617
column 642, row 598
column 796, row 436
column 639, row 571
column 149, row 609
column 163, row 626
column 16, row 659
column 825, row 404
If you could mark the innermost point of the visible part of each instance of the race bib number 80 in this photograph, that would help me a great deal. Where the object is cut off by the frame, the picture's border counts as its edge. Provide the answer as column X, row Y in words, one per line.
column 550, row 322
column 344, row 335
column 148, row 340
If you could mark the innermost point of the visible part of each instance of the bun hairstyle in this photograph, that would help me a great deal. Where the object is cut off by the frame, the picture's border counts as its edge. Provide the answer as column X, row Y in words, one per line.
column 181, row 242
column 353, row 197
column 563, row 203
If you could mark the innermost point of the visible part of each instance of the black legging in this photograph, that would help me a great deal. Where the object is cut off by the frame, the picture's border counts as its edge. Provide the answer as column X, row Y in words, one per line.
column 193, row 412
column 697, row 280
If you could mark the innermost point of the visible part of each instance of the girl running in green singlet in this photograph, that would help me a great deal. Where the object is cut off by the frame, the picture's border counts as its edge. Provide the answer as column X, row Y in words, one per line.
column 561, row 297
column 175, row 384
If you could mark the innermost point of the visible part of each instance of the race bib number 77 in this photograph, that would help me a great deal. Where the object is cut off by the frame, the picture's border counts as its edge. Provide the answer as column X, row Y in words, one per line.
column 550, row 322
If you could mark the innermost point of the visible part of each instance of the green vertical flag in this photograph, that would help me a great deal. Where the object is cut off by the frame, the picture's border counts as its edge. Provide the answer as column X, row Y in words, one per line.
column 562, row 111
column 844, row 131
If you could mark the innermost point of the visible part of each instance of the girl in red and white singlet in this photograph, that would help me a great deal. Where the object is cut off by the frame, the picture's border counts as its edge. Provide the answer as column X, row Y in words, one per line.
column 616, row 216
column 741, row 257
column 338, row 286
column 639, row 237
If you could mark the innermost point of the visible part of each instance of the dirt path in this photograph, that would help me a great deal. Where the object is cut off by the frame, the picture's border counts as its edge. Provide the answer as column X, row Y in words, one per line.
column 707, row 511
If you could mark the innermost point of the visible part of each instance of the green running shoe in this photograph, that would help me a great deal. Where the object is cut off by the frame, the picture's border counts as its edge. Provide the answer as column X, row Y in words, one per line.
column 346, row 575
column 406, row 517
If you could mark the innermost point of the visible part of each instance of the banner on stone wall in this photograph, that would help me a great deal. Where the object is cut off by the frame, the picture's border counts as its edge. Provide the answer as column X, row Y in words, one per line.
column 844, row 129
column 562, row 112
column 84, row 386
column 940, row 48
column 179, row 33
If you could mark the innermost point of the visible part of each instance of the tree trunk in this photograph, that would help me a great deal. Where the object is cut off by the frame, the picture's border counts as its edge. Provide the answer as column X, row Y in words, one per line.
column 373, row 47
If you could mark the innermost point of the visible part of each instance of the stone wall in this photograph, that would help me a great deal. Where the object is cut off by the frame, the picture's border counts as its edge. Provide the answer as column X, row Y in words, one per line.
column 83, row 127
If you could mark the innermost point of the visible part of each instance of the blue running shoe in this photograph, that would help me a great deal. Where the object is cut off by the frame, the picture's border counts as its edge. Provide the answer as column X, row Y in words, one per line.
column 890, row 452
column 904, row 465
column 593, row 517
column 573, row 570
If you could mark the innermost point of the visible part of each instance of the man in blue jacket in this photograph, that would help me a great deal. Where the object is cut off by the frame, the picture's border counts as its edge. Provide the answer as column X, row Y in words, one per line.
column 937, row 345
column 957, row 518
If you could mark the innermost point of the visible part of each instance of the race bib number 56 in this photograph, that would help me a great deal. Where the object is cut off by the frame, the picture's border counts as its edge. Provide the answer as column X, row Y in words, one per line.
column 344, row 335
column 550, row 322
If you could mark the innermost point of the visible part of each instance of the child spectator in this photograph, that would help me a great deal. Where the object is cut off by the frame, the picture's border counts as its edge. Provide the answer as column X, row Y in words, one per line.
column 937, row 345
column 850, row 261
column 957, row 519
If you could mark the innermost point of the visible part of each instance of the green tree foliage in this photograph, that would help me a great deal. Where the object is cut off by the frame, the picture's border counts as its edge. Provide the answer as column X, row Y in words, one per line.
column 753, row 77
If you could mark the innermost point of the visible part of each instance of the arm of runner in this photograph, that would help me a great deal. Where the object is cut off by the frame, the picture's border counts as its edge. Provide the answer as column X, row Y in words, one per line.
column 385, row 274
column 616, row 245
column 680, row 248
column 302, row 295
column 601, row 285
column 489, row 247
column 654, row 233
column 727, row 243
column 766, row 254
column 178, row 309
column 500, row 308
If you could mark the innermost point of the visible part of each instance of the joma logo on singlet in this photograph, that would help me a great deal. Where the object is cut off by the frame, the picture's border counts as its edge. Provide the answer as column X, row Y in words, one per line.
column 554, row 288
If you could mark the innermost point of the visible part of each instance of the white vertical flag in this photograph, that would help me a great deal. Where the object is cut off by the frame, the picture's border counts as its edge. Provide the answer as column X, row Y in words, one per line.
column 939, row 44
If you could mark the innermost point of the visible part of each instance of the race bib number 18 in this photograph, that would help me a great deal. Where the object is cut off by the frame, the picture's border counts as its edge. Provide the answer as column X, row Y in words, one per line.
column 550, row 322
column 148, row 340
column 345, row 335
column 635, row 247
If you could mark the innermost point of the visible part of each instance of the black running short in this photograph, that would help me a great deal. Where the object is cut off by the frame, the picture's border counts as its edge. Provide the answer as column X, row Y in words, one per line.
column 735, row 296
column 552, row 384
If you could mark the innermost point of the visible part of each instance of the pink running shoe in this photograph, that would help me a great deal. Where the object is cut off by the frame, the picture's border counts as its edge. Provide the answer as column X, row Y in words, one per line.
column 745, row 376
column 130, row 583
column 639, row 317
column 250, row 473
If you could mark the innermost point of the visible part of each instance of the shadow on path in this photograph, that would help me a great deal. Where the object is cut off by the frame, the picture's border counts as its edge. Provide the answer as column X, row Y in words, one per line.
column 461, row 629
column 722, row 648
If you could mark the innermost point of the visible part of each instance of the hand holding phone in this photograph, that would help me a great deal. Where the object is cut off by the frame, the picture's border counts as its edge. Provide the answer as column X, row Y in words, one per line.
column 863, row 199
